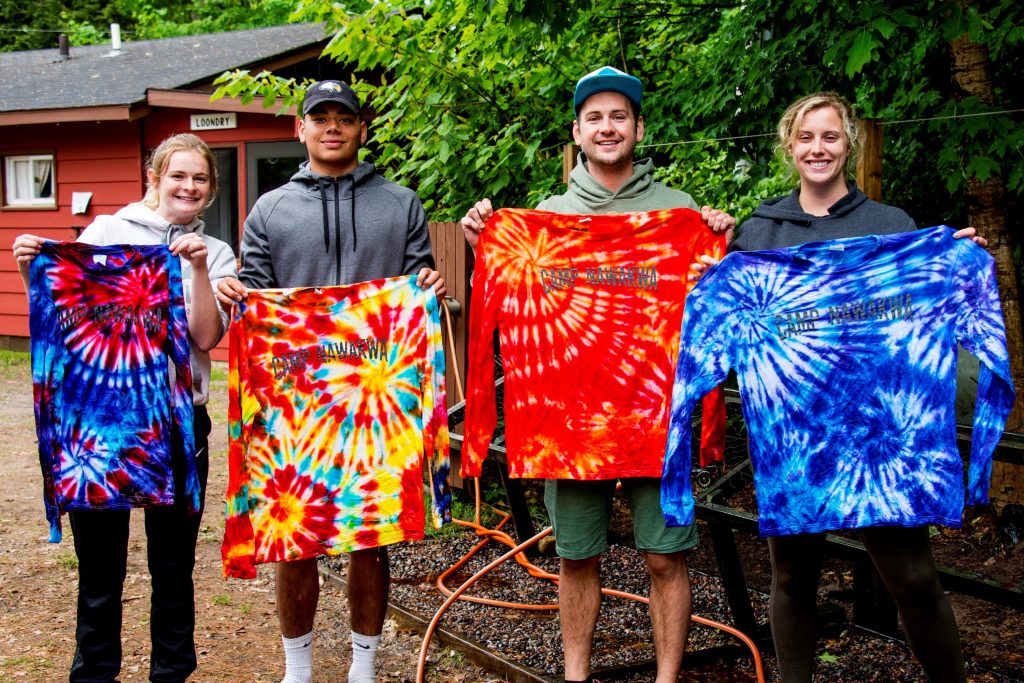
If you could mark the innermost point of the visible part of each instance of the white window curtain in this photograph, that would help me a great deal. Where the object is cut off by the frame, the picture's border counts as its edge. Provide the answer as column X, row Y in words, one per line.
column 29, row 180
column 43, row 178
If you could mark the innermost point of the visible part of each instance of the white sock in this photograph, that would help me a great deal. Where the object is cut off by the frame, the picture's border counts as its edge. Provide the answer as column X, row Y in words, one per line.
column 298, row 659
column 364, row 657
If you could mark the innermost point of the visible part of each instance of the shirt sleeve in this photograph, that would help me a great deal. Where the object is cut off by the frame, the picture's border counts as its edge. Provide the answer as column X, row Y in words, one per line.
column 704, row 362
column 435, row 415
column 257, row 270
column 980, row 329
column 239, row 546
column 44, row 334
column 481, row 410
column 178, row 342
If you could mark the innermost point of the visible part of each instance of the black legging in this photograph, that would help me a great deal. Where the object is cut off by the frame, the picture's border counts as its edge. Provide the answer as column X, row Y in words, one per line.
column 903, row 558
column 101, row 543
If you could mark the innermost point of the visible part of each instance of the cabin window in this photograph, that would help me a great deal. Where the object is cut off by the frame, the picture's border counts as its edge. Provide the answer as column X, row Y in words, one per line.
column 28, row 180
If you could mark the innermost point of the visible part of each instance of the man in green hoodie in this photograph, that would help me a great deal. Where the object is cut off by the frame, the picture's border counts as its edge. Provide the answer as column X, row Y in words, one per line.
column 608, row 125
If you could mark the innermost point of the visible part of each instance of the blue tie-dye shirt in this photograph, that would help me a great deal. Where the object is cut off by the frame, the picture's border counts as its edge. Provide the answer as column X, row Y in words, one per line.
column 846, row 358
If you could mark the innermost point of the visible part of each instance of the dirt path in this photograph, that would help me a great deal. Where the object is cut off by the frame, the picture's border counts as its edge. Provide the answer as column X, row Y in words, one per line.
column 236, row 623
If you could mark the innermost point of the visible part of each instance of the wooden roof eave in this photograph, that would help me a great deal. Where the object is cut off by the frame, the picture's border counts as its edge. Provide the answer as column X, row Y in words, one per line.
column 112, row 112
column 179, row 99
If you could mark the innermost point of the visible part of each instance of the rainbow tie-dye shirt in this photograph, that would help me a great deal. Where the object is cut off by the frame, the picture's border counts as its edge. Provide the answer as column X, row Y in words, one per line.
column 336, row 398
column 111, row 377
column 846, row 355
column 588, row 309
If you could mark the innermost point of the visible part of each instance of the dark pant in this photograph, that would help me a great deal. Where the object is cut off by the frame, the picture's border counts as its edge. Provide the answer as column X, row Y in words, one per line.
column 101, row 543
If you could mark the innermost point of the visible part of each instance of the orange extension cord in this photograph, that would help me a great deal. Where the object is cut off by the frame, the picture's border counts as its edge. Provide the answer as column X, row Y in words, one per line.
column 516, row 551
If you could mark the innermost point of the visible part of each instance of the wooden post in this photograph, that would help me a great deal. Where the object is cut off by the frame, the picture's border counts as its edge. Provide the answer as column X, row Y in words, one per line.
column 569, row 154
column 869, row 165
column 452, row 261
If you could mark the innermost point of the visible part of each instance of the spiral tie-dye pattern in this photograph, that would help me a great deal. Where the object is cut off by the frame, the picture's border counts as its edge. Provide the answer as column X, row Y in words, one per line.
column 111, row 377
column 588, row 309
column 336, row 398
column 846, row 355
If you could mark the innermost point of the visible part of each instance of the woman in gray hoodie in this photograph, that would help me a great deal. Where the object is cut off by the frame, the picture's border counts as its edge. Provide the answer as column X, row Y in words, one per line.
column 181, row 182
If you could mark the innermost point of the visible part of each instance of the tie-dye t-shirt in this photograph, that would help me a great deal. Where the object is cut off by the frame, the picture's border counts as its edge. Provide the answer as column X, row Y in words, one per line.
column 846, row 357
column 111, row 377
column 588, row 309
column 336, row 399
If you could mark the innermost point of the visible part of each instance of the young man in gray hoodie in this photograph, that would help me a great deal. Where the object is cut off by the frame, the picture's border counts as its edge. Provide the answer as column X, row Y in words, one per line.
column 607, row 179
column 335, row 222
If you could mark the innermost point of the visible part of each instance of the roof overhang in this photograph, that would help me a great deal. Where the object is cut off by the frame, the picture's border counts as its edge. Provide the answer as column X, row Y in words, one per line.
column 182, row 99
column 113, row 112
column 173, row 99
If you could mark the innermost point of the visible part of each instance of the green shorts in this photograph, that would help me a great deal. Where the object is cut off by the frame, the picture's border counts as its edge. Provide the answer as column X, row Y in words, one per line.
column 580, row 512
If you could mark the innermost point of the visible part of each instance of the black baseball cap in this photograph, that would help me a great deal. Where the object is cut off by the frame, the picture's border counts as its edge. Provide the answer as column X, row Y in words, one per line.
column 331, row 91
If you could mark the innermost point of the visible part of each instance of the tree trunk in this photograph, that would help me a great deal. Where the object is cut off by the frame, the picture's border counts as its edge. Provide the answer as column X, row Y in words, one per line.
column 986, row 211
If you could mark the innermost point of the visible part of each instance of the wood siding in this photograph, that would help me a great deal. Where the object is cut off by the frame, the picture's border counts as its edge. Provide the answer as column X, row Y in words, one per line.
column 452, row 257
column 99, row 157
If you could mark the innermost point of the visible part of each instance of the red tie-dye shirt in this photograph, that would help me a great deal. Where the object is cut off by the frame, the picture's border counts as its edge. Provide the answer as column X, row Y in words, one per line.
column 588, row 309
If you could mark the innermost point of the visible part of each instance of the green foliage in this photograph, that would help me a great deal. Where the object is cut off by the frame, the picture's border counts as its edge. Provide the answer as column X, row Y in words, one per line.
column 474, row 99
column 36, row 25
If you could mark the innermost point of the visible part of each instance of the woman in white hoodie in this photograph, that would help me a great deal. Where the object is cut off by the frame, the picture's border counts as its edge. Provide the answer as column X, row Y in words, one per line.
column 181, row 182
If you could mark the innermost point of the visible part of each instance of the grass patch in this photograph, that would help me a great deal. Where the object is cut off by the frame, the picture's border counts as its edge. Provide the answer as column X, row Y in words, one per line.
column 23, row 663
column 219, row 373
column 221, row 600
column 12, row 361
column 67, row 561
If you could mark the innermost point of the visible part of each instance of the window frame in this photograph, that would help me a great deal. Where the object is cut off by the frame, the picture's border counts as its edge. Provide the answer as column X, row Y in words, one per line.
column 10, row 201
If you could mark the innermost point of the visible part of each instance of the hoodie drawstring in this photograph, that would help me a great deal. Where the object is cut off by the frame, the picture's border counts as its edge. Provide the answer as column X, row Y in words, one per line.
column 353, row 212
column 321, row 183
column 337, row 226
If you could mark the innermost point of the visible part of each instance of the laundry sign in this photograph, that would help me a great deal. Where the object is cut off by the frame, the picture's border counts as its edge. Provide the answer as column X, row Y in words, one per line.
column 214, row 121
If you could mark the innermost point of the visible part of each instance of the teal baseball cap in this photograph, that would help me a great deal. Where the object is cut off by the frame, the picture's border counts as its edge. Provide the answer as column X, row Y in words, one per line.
column 608, row 79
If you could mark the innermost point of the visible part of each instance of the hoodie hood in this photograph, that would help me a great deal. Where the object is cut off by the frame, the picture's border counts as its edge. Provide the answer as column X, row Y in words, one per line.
column 787, row 207
column 781, row 222
column 597, row 196
column 142, row 215
column 639, row 193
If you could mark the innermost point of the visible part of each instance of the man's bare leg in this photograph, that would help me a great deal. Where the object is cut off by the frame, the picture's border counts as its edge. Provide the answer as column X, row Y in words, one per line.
column 579, row 604
column 369, row 578
column 297, row 590
column 671, row 604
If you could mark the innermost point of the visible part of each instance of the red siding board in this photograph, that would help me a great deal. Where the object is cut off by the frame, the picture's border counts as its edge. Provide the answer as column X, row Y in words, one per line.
column 98, row 171
column 14, row 325
column 14, row 302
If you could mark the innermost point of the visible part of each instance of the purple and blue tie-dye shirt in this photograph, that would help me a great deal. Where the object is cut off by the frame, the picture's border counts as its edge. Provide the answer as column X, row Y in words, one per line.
column 846, row 357
column 104, row 322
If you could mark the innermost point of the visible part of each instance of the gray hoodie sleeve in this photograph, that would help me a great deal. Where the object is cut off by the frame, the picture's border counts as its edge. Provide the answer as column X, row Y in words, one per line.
column 221, row 264
column 257, row 270
column 417, row 246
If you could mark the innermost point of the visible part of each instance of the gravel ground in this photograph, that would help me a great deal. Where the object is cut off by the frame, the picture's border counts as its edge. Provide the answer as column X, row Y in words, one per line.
column 623, row 637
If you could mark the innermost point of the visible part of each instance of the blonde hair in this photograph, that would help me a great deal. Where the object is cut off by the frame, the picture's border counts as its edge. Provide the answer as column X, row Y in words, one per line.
column 161, row 157
column 789, row 124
